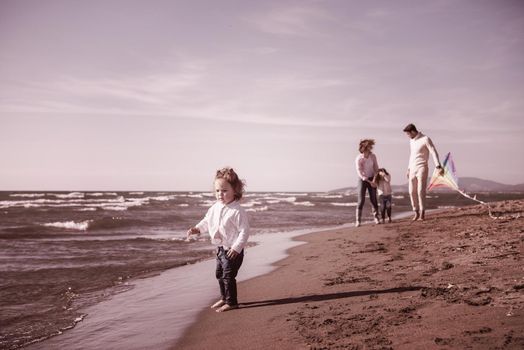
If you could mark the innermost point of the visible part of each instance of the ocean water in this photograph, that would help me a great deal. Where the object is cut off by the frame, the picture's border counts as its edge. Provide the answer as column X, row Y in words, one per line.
column 62, row 252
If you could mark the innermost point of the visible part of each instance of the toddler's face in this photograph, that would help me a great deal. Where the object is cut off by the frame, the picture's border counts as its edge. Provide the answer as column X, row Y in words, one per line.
column 224, row 191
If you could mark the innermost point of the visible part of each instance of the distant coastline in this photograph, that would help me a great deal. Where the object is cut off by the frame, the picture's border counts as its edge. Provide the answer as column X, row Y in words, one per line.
column 468, row 184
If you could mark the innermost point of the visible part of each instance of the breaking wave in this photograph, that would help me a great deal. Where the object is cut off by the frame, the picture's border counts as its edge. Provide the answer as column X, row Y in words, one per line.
column 70, row 225
column 354, row 204
column 305, row 204
column 68, row 195
column 28, row 195
column 264, row 208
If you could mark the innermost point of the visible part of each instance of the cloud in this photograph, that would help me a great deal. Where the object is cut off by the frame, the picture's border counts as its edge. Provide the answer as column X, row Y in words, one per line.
column 142, row 92
column 191, row 90
column 291, row 21
column 291, row 83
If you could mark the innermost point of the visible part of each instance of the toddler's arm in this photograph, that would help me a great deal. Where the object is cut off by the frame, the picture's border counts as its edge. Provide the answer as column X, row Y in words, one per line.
column 201, row 227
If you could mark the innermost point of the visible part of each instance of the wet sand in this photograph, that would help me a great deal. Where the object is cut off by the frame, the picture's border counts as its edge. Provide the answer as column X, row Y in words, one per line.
column 155, row 311
column 454, row 281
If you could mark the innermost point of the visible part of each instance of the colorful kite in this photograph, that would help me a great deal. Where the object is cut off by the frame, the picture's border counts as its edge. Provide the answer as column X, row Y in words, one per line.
column 450, row 180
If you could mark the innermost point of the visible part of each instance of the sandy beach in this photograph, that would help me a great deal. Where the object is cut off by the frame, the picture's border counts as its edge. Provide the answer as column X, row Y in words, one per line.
column 454, row 281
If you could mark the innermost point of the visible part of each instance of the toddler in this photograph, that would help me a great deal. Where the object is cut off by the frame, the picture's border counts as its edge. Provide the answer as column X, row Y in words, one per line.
column 383, row 182
column 228, row 226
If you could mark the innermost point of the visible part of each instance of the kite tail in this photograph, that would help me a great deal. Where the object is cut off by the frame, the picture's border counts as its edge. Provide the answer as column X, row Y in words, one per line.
column 472, row 198
column 491, row 215
column 479, row 201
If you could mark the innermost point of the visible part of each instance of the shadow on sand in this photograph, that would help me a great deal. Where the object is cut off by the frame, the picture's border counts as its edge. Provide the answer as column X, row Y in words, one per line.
column 325, row 297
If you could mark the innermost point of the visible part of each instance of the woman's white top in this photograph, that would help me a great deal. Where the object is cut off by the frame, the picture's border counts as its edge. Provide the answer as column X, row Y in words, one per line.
column 366, row 167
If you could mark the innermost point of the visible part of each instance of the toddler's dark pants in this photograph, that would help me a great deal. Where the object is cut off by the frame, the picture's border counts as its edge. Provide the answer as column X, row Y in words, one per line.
column 226, row 273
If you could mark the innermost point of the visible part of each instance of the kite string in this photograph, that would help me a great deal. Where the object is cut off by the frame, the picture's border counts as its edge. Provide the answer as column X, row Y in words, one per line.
column 491, row 215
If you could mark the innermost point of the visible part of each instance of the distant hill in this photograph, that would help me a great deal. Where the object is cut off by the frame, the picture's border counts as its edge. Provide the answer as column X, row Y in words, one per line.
column 474, row 184
column 468, row 184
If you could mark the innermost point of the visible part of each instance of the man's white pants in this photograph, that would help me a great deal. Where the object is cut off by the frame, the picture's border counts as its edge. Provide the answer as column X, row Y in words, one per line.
column 418, row 179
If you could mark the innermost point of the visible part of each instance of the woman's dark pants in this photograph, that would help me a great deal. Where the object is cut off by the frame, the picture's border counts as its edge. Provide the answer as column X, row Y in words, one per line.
column 362, row 187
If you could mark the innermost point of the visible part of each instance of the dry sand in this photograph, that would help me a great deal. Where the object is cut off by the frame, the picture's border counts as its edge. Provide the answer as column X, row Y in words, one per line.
column 455, row 281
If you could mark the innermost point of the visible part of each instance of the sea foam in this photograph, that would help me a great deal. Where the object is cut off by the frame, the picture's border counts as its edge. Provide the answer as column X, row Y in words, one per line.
column 27, row 195
column 251, row 204
column 305, row 204
column 344, row 204
column 264, row 208
column 100, row 194
column 71, row 225
column 68, row 195
column 329, row 196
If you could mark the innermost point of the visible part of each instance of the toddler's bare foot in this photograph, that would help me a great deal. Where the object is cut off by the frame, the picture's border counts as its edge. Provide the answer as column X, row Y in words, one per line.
column 415, row 218
column 218, row 304
column 226, row 307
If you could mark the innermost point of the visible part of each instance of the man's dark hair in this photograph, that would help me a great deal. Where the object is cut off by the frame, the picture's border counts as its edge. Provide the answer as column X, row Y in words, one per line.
column 410, row 128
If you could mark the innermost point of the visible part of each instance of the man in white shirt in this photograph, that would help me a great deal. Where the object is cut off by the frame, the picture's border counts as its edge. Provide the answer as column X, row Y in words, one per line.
column 420, row 146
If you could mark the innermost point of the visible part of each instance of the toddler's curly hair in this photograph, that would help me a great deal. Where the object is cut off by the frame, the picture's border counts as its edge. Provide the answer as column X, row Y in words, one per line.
column 231, row 176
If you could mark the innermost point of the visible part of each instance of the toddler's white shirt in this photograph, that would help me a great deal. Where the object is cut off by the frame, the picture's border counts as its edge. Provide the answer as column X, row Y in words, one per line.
column 227, row 224
column 384, row 186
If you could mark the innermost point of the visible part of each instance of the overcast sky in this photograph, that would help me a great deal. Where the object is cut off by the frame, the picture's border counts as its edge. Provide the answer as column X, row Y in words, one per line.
column 156, row 95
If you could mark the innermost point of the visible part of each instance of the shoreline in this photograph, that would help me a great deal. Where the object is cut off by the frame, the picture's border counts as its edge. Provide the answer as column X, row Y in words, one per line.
column 454, row 280
column 152, row 298
column 85, row 267
column 258, row 264
column 107, row 330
